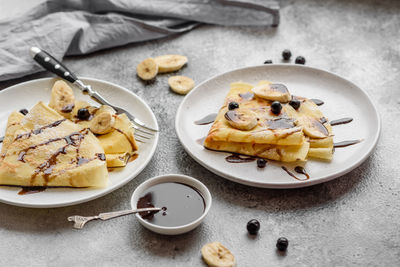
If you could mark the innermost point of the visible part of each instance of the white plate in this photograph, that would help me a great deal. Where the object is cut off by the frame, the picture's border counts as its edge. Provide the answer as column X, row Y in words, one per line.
column 26, row 95
column 342, row 99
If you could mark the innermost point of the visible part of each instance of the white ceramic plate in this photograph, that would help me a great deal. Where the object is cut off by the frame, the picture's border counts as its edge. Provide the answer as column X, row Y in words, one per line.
column 342, row 99
column 26, row 95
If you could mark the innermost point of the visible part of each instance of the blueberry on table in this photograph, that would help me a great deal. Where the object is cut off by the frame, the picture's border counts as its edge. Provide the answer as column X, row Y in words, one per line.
column 276, row 107
column 300, row 60
column 295, row 104
column 24, row 111
column 261, row 163
column 233, row 105
column 83, row 114
column 269, row 61
column 286, row 54
column 253, row 226
column 282, row 243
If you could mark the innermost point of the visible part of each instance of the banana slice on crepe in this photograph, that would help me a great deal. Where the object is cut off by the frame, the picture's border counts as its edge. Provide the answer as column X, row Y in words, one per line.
column 170, row 63
column 312, row 127
column 216, row 255
column 62, row 99
column 242, row 119
column 272, row 92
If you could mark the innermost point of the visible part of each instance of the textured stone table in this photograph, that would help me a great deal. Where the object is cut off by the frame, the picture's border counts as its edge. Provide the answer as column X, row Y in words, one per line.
column 353, row 220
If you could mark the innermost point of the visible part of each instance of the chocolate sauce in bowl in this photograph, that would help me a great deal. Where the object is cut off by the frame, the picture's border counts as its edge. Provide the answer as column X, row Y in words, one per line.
column 207, row 119
column 181, row 204
column 341, row 121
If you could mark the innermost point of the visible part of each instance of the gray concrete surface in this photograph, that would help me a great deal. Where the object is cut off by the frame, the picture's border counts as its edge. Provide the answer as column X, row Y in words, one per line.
column 351, row 221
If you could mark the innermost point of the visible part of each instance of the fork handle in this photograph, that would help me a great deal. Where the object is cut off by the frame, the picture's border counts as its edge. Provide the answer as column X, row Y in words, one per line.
column 51, row 64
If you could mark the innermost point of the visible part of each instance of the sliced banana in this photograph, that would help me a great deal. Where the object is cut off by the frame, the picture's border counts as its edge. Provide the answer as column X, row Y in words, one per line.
column 170, row 63
column 106, row 108
column 181, row 84
column 216, row 255
column 273, row 92
column 313, row 127
column 62, row 98
column 102, row 123
column 147, row 69
column 242, row 119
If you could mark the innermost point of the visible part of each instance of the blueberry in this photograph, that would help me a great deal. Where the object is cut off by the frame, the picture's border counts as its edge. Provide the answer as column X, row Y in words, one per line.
column 261, row 163
column 233, row 105
column 300, row 60
column 295, row 104
column 83, row 114
column 276, row 107
column 253, row 226
column 282, row 243
column 24, row 111
column 269, row 61
column 286, row 54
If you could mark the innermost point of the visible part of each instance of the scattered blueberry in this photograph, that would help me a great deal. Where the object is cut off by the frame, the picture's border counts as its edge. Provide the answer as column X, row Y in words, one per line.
column 253, row 226
column 83, row 114
column 295, row 104
column 282, row 243
column 269, row 61
column 261, row 163
column 300, row 60
column 24, row 111
column 276, row 107
column 233, row 105
column 286, row 54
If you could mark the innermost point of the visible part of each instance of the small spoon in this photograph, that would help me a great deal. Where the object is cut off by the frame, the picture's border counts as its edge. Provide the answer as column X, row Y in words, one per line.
column 80, row 221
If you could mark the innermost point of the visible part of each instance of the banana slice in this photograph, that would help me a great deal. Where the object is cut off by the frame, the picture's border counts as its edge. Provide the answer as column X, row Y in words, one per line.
column 242, row 119
column 147, row 69
column 106, row 108
column 62, row 99
column 216, row 255
column 181, row 84
column 273, row 92
column 102, row 123
column 313, row 127
column 170, row 63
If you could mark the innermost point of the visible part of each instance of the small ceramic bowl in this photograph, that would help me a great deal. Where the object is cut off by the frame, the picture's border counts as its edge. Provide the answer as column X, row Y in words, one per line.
column 170, row 178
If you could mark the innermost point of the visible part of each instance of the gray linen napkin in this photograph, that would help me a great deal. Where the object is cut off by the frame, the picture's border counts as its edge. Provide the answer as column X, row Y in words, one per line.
column 75, row 27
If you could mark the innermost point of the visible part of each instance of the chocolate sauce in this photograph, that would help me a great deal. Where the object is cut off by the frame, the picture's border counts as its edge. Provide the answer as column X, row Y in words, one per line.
column 207, row 119
column 323, row 120
column 346, row 143
column 281, row 123
column 68, row 108
column 39, row 130
column 31, row 190
column 81, row 161
column 101, row 156
column 317, row 102
column 247, row 96
column 321, row 128
column 301, row 170
column 182, row 204
column 278, row 87
column 291, row 174
column 341, row 121
column 234, row 158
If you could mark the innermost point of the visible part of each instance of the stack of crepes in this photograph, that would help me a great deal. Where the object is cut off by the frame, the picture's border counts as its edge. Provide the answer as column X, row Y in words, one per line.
column 52, row 146
column 253, row 129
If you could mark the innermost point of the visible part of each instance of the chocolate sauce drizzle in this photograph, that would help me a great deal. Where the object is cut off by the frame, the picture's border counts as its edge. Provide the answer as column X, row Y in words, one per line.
column 317, row 102
column 341, row 121
column 31, row 190
column 346, row 143
column 247, row 95
column 235, row 158
column 39, row 130
column 281, row 123
column 207, row 119
column 294, row 176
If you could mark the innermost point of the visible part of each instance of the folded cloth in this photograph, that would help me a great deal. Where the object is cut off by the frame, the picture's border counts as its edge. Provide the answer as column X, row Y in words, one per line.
column 74, row 27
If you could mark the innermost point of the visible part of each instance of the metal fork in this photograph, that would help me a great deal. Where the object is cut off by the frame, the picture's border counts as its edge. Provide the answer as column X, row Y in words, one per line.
column 53, row 65
column 80, row 221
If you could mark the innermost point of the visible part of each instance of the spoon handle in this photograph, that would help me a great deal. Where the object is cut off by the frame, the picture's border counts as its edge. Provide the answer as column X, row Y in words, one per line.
column 114, row 214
